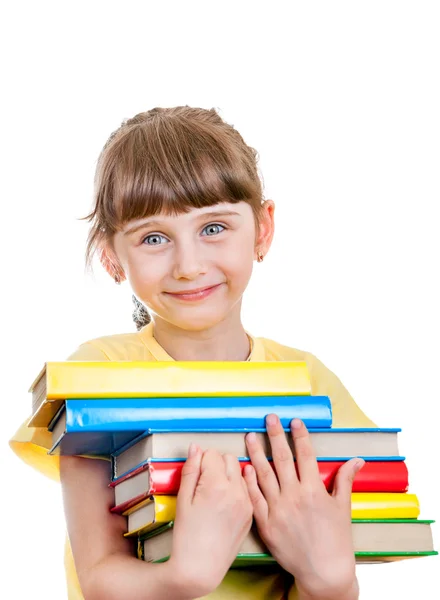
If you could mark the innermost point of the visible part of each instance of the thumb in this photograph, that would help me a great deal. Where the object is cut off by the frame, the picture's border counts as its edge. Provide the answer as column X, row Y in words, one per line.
column 344, row 479
column 190, row 473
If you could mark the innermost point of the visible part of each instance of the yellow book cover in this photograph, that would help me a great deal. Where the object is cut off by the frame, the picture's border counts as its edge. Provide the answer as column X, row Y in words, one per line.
column 159, row 510
column 384, row 505
column 142, row 379
column 150, row 514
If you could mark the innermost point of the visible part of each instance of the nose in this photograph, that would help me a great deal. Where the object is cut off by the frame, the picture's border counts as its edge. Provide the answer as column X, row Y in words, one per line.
column 189, row 262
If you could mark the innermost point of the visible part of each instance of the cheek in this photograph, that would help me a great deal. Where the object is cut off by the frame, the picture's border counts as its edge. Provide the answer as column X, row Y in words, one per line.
column 238, row 264
column 144, row 273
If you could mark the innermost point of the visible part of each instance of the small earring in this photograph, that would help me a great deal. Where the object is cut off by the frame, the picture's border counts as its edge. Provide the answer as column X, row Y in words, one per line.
column 260, row 256
column 117, row 279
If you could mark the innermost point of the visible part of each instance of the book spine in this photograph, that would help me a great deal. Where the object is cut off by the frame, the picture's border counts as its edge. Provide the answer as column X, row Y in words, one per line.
column 128, row 379
column 225, row 413
column 363, row 507
column 384, row 506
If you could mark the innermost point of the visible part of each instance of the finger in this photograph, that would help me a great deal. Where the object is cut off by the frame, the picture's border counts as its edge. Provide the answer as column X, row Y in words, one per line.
column 307, row 464
column 343, row 485
column 190, row 473
column 259, row 504
column 232, row 468
column 267, row 480
column 281, row 453
column 213, row 466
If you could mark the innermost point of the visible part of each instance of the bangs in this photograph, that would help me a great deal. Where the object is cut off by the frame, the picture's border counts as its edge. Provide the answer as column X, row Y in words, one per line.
column 170, row 160
column 169, row 168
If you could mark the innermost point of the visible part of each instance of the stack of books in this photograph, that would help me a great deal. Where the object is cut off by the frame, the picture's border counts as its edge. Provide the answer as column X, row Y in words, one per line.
column 144, row 415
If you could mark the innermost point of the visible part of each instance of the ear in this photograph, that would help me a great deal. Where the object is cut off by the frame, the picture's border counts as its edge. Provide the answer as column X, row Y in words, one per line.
column 111, row 264
column 266, row 228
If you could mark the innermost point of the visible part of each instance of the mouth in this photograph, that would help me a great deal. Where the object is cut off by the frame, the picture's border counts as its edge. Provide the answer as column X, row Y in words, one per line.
column 197, row 294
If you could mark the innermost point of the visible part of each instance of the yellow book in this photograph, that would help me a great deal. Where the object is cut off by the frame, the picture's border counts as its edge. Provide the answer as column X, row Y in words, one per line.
column 159, row 510
column 150, row 514
column 384, row 505
column 142, row 379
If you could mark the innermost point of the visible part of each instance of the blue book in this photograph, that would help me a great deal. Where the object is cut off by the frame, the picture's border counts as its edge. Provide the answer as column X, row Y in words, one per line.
column 101, row 426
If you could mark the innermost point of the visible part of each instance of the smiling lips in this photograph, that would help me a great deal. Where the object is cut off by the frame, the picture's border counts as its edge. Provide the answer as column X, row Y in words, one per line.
column 197, row 294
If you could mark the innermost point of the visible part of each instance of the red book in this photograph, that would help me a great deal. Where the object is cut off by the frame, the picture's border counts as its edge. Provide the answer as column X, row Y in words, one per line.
column 164, row 478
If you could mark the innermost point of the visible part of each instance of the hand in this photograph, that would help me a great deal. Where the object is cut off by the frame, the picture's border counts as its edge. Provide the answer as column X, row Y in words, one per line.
column 213, row 516
column 307, row 530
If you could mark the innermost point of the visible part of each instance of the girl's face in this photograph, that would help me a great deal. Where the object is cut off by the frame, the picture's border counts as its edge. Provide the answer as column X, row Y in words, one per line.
column 192, row 269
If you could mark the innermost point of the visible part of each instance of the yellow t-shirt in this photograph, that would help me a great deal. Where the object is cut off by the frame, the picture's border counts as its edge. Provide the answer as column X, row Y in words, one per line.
column 31, row 444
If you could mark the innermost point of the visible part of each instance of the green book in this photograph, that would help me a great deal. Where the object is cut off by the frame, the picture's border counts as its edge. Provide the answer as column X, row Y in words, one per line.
column 375, row 540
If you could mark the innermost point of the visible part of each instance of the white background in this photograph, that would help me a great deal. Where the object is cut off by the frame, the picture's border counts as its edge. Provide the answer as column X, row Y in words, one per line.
column 341, row 99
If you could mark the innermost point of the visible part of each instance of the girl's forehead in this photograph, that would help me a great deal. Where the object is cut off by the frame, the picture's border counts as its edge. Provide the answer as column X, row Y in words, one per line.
column 222, row 209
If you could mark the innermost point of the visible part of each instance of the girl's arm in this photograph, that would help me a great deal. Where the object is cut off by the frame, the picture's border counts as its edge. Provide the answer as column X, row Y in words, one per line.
column 105, row 561
column 213, row 516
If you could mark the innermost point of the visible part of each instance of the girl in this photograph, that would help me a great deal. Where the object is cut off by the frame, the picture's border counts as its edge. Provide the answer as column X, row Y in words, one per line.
column 179, row 213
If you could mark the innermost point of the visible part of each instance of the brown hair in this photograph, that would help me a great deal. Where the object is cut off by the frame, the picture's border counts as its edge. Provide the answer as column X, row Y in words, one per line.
column 169, row 160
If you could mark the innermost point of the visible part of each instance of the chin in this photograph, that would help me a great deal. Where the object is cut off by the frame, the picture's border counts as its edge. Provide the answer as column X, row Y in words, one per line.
column 197, row 322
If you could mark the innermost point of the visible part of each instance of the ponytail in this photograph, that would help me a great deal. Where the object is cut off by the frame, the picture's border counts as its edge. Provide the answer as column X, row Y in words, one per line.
column 141, row 316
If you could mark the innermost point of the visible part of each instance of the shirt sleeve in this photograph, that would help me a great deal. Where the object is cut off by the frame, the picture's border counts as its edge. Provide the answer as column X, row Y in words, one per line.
column 345, row 411
column 88, row 351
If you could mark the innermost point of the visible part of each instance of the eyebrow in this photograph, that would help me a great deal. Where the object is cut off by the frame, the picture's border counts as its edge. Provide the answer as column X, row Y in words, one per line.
column 212, row 214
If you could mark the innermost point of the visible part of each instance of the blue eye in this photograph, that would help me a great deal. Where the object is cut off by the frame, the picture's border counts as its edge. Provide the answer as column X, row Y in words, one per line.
column 213, row 229
column 153, row 239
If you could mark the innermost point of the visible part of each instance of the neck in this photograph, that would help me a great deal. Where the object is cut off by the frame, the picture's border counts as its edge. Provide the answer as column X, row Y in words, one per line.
column 226, row 340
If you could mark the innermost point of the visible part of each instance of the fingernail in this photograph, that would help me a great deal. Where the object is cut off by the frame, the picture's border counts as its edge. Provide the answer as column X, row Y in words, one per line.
column 271, row 419
column 296, row 423
column 192, row 450
column 248, row 469
column 251, row 437
column 359, row 464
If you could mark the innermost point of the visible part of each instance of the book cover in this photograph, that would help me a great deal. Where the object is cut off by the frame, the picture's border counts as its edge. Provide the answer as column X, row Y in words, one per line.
column 137, row 379
column 163, row 478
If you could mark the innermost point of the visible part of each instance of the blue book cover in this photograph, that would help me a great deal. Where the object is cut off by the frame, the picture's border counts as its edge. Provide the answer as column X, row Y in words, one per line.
column 101, row 426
